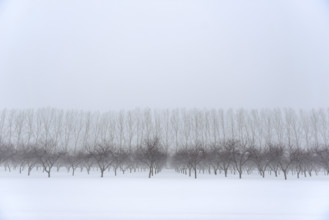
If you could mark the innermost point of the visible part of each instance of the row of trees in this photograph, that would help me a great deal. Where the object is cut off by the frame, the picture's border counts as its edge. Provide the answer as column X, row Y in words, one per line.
column 150, row 155
column 176, row 128
column 227, row 157
column 228, row 141
column 236, row 157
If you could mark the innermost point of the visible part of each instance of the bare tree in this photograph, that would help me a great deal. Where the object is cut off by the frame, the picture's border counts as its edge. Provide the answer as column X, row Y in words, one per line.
column 259, row 157
column 221, row 157
column 240, row 155
column 191, row 157
column 30, row 158
column 73, row 160
column 103, row 155
column 324, row 126
column 88, row 161
column 150, row 154
column 130, row 123
column 7, row 151
column 29, row 126
column 77, row 128
column 119, row 157
column 48, row 155
column 285, row 162
column 174, row 120
column 2, row 124
column 18, row 126
column 167, row 130
column 121, row 128
column 322, row 156
column 305, row 124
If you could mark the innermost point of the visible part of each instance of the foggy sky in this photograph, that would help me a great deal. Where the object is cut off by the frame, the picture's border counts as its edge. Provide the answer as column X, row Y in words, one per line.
column 101, row 55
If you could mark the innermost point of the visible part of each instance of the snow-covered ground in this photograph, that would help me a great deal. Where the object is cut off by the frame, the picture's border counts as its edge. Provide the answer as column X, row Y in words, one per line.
column 167, row 196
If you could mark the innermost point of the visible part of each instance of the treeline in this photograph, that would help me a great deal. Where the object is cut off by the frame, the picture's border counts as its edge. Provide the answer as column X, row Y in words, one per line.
column 149, row 156
column 231, row 157
column 176, row 128
column 235, row 158
column 190, row 141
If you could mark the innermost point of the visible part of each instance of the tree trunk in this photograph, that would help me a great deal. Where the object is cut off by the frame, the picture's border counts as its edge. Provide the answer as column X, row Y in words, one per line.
column 150, row 172
column 310, row 173
column 285, row 174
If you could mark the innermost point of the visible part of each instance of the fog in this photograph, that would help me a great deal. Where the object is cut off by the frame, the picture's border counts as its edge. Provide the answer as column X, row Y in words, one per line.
column 101, row 55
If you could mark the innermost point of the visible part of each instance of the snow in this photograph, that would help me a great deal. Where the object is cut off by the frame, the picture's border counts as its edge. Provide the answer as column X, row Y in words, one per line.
column 168, row 195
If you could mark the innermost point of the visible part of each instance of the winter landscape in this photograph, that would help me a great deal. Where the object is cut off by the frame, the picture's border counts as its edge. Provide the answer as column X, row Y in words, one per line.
column 164, row 110
column 167, row 196
column 163, row 164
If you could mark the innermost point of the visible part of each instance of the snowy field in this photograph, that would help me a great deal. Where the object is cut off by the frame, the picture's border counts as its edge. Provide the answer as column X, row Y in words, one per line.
column 167, row 196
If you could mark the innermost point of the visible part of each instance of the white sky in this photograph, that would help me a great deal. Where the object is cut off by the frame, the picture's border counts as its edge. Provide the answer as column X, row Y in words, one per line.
column 101, row 55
